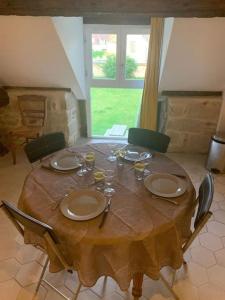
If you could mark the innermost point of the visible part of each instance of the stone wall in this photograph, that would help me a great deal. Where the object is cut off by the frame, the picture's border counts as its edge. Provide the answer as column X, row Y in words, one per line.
column 190, row 122
column 62, row 112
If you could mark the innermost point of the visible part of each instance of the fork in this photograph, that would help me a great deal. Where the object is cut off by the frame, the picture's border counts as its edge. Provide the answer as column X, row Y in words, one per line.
column 106, row 211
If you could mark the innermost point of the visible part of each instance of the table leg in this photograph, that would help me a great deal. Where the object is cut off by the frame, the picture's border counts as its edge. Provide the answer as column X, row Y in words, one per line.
column 137, row 285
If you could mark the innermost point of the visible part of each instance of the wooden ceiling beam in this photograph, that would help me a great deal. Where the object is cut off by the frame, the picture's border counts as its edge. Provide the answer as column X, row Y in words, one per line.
column 93, row 8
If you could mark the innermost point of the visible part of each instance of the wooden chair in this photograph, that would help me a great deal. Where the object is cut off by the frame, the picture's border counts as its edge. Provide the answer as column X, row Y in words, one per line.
column 20, row 220
column 33, row 116
column 204, row 199
column 44, row 145
column 148, row 138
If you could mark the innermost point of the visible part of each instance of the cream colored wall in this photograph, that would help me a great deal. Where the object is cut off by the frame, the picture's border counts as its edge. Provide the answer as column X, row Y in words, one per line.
column 168, row 27
column 195, row 58
column 70, row 32
column 31, row 54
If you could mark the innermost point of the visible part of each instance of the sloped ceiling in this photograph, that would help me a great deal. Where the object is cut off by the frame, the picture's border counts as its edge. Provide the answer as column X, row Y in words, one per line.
column 195, row 59
column 32, row 55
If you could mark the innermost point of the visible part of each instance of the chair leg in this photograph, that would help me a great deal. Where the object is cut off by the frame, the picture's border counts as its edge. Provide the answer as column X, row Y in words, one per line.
column 77, row 292
column 42, row 275
column 14, row 156
column 168, row 286
column 173, row 277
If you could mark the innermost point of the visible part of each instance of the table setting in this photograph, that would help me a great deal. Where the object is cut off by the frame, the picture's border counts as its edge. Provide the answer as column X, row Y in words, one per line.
column 131, row 206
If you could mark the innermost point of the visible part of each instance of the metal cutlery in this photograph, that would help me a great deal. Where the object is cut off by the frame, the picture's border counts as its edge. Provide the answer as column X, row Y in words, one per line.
column 178, row 175
column 49, row 168
column 106, row 211
column 172, row 201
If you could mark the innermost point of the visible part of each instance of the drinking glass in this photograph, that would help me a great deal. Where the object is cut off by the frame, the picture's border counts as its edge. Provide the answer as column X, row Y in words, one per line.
column 139, row 169
column 90, row 161
column 119, row 156
column 83, row 170
column 109, row 180
column 112, row 156
column 99, row 177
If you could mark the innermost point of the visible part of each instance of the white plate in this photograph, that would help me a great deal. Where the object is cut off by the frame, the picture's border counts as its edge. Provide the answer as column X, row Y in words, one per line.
column 65, row 162
column 133, row 153
column 165, row 185
column 83, row 205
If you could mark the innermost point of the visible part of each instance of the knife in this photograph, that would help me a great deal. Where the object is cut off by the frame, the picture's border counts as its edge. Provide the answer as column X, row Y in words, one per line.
column 105, row 213
column 54, row 170
column 166, row 199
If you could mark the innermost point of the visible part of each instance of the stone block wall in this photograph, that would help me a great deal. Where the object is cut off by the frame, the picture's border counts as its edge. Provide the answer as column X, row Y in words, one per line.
column 62, row 111
column 191, row 121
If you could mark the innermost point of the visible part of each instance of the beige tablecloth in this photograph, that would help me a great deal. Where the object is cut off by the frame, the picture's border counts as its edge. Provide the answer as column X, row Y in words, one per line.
column 141, row 234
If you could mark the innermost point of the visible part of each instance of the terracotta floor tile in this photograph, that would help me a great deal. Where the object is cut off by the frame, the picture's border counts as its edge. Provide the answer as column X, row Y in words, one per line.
column 217, row 276
column 186, row 290
column 203, row 257
column 218, row 197
column 27, row 293
column 221, row 204
column 27, row 253
column 219, row 187
column 196, row 274
column 210, row 292
column 210, row 241
column 220, row 257
column 8, row 269
column 29, row 273
column 219, row 216
column 8, row 249
column 9, row 290
column 216, row 228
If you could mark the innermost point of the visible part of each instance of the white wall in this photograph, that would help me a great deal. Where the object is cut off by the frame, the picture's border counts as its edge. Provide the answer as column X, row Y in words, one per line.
column 70, row 32
column 195, row 58
column 168, row 27
column 31, row 54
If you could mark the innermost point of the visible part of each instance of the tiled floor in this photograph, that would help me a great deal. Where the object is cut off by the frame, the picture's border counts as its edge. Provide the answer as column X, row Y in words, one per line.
column 20, row 265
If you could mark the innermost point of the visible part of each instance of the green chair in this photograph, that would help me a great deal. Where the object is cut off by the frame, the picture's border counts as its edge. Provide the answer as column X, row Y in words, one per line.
column 44, row 145
column 148, row 138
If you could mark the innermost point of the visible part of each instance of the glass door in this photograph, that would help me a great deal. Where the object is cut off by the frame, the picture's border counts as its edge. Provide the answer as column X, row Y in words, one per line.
column 116, row 59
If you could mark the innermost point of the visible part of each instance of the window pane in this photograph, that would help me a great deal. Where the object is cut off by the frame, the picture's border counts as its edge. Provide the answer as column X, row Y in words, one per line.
column 136, row 56
column 104, row 56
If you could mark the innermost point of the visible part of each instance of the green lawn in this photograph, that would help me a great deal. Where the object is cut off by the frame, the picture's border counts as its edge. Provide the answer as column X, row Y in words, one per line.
column 114, row 106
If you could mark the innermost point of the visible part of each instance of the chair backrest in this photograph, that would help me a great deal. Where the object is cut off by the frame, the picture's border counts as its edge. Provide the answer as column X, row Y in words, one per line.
column 205, row 197
column 20, row 218
column 148, row 138
column 43, row 230
column 44, row 145
column 33, row 110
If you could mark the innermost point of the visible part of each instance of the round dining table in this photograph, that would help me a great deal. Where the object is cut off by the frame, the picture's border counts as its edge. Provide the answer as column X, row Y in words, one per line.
column 141, row 234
